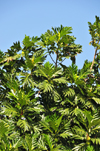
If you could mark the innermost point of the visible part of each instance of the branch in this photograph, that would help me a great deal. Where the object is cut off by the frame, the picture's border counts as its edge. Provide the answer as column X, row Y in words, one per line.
column 52, row 58
column 56, row 60
column 94, row 58
column 62, row 61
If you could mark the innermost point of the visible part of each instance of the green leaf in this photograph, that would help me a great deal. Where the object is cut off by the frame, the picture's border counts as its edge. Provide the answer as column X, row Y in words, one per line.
column 60, row 80
column 3, row 128
column 48, row 139
column 78, row 147
column 53, row 38
column 26, row 41
column 9, row 111
column 88, row 117
column 23, row 124
column 96, row 141
column 97, row 100
column 58, row 122
column 46, row 87
column 65, row 31
column 46, row 125
column 28, row 140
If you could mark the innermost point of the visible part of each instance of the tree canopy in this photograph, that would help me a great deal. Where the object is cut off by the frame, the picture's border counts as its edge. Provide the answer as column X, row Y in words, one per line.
column 48, row 106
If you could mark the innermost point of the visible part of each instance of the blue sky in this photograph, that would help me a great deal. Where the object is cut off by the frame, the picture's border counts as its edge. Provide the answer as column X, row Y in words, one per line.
column 34, row 17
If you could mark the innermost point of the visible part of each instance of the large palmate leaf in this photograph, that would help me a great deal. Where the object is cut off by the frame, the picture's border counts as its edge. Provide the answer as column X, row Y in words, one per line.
column 67, row 133
column 11, row 58
column 87, row 132
column 46, row 86
column 22, row 123
column 50, row 142
column 9, row 140
column 34, row 61
column 26, row 80
column 55, row 127
column 78, row 147
column 30, row 142
column 9, row 111
column 97, row 100
column 3, row 128
column 60, row 80
column 48, row 71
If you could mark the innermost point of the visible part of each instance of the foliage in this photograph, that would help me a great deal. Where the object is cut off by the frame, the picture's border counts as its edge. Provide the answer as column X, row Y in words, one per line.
column 48, row 106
